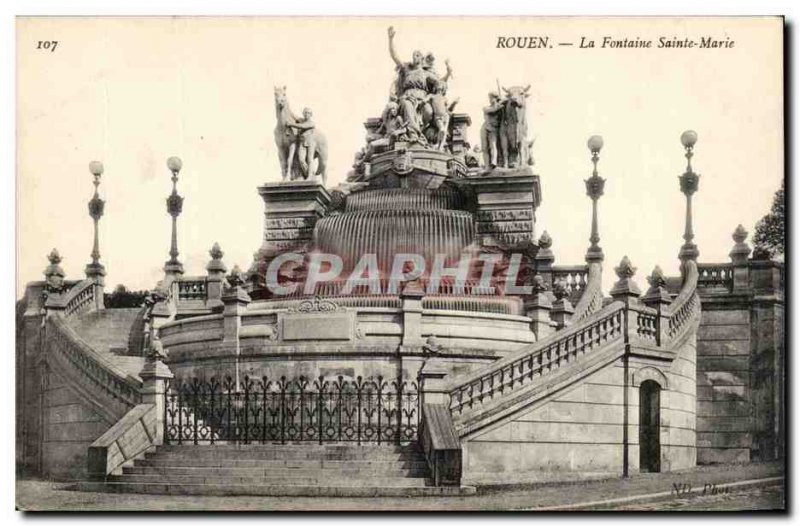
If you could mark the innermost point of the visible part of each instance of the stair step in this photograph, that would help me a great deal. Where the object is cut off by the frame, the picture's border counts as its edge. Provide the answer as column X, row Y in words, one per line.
column 210, row 478
column 295, row 454
column 276, row 490
column 365, row 465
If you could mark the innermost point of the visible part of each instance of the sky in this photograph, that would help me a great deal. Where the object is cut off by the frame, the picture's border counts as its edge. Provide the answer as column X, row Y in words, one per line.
column 131, row 92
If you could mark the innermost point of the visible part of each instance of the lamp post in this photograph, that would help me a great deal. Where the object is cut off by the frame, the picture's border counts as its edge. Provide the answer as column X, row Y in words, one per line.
column 689, row 183
column 95, row 270
column 594, row 189
column 174, row 209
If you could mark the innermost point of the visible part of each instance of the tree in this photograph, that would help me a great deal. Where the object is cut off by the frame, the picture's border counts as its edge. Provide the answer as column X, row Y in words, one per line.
column 769, row 236
column 122, row 298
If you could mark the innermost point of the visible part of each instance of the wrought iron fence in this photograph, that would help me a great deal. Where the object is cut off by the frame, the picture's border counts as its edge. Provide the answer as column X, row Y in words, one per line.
column 259, row 410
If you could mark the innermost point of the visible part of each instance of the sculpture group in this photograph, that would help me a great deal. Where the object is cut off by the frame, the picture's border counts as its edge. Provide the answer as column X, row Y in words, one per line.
column 417, row 115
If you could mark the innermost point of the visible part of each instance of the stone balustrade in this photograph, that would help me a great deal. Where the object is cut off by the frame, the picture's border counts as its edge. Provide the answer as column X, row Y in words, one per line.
column 80, row 298
column 715, row 275
column 623, row 321
column 538, row 360
column 114, row 388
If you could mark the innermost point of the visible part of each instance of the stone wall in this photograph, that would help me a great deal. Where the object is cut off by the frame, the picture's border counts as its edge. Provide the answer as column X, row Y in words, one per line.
column 678, row 420
column 740, row 364
column 591, row 429
column 575, row 434
column 724, row 414
column 70, row 426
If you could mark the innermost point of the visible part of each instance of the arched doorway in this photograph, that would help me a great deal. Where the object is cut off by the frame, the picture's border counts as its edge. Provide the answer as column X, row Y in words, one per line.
column 649, row 426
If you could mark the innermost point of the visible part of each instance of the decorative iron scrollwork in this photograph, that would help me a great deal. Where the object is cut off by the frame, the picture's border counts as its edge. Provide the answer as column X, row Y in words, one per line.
column 259, row 410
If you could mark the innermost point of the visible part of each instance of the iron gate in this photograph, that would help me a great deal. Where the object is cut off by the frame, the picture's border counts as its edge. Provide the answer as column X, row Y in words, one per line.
column 259, row 410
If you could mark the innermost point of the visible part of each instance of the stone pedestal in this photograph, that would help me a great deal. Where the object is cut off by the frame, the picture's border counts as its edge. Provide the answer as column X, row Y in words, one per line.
column 97, row 273
column 154, row 377
column 411, row 296
column 291, row 210
column 505, row 206
column 432, row 383
column 235, row 301
column 538, row 308
column 562, row 312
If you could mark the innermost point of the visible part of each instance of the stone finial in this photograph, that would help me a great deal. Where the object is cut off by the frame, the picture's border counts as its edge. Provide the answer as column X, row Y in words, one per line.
column 560, row 289
column 538, row 286
column 54, row 257
column 656, row 278
column 235, row 295
column 544, row 256
column 235, row 278
column 562, row 308
column 740, row 234
column 741, row 250
column 625, row 268
column 545, row 241
column 657, row 294
column 216, row 264
column 54, row 274
column 431, row 346
column 625, row 289
column 156, row 352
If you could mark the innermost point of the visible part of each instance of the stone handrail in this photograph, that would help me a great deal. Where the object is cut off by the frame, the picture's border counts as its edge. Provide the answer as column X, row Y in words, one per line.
column 119, row 391
column 592, row 298
column 538, row 360
column 441, row 445
column 682, row 309
column 80, row 298
column 133, row 435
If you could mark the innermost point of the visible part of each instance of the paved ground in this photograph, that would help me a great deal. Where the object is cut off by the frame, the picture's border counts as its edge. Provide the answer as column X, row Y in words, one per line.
column 678, row 491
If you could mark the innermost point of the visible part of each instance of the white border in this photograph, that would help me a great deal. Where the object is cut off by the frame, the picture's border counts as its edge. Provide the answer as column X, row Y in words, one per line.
column 12, row 8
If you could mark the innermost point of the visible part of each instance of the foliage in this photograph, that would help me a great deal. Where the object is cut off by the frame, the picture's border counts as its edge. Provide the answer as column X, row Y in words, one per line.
column 122, row 298
column 769, row 236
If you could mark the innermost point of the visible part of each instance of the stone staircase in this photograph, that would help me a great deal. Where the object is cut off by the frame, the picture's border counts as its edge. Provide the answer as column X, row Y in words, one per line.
column 109, row 332
column 340, row 470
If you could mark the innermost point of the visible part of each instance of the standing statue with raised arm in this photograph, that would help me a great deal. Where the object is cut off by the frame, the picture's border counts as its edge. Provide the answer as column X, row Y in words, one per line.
column 414, row 83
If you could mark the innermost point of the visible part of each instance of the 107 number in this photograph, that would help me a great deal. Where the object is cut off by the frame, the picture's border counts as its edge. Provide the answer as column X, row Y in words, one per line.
column 47, row 44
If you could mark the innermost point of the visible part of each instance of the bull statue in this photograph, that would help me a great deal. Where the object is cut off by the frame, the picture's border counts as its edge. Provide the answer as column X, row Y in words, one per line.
column 514, row 144
column 504, row 133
